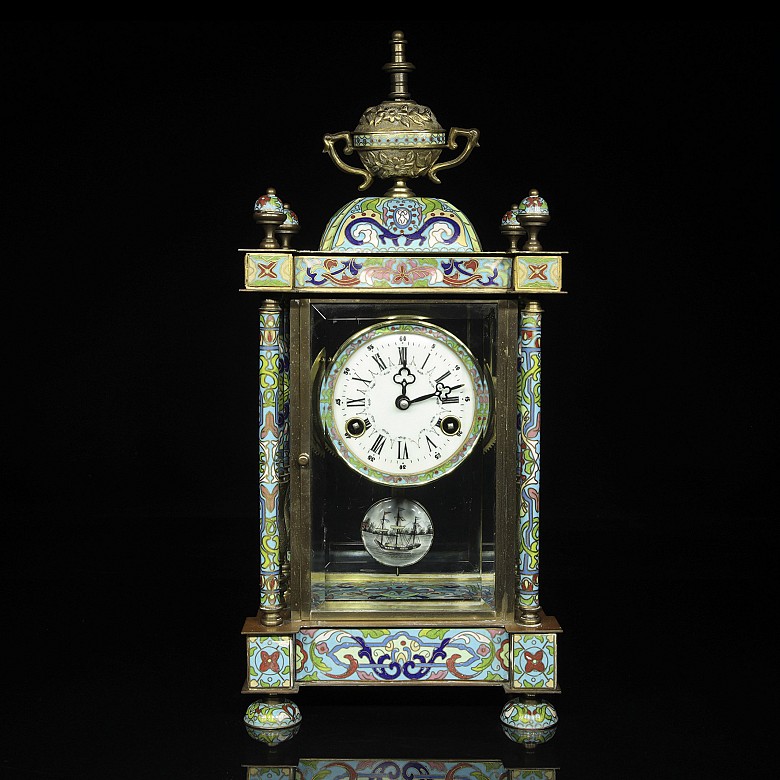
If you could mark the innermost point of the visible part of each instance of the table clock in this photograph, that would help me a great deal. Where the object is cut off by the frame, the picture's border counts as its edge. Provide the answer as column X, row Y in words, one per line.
column 399, row 399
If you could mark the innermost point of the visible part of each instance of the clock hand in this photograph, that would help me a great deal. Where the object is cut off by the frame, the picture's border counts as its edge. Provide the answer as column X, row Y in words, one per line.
column 441, row 390
column 422, row 397
column 403, row 377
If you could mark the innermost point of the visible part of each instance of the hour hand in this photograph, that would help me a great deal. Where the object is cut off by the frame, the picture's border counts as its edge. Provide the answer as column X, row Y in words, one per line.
column 404, row 377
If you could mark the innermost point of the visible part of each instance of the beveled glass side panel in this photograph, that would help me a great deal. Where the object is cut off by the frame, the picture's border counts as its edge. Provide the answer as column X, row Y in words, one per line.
column 404, row 548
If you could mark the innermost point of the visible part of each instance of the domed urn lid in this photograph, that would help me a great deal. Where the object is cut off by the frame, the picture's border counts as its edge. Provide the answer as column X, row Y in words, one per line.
column 399, row 138
column 399, row 122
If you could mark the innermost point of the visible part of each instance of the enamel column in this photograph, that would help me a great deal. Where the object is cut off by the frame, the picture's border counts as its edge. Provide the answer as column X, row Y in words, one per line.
column 528, row 439
column 272, row 443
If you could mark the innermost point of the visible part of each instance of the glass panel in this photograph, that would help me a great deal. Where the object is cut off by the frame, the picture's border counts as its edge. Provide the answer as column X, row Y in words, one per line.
column 410, row 540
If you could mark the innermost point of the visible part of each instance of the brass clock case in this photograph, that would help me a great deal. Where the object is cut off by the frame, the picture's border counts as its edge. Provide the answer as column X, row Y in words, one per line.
column 381, row 563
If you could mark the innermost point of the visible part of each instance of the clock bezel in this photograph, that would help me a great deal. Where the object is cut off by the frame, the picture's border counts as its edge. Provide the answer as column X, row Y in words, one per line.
column 412, row 324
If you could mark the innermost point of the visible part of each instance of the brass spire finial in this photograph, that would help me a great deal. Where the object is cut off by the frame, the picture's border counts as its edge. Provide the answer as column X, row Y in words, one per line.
column 398, row 68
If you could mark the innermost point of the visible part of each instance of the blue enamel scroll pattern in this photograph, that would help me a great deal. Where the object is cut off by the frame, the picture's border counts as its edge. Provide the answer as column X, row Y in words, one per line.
column 374, row 655
column 406, row 224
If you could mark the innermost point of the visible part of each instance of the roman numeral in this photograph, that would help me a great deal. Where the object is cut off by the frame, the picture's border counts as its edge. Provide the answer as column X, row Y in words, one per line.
column 431, row 444
column 403, row 452
column 378, row 444
column 360, row 379
column 356, row 401
column 402, row 354
column 425, row 361
column 448, row 399
column 379, row 361
column 443, row 376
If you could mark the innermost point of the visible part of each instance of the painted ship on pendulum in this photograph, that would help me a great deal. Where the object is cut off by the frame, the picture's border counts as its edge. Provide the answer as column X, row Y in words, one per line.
column 396, row 534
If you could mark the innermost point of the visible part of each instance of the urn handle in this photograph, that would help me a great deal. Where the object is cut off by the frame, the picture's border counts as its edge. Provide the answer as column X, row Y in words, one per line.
column 330, row 141
column 472, row 137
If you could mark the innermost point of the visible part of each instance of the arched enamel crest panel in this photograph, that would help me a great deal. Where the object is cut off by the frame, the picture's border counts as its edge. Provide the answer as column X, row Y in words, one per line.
column 399, row 224
column 404, row 402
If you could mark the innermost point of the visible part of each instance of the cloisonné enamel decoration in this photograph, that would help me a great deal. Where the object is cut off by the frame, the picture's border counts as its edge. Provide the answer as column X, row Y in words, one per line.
column 399, row 435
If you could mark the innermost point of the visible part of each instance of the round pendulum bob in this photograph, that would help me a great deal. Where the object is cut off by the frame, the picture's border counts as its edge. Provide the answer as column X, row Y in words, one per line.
column 272, row 720
column 397, row 532
column 529, row 721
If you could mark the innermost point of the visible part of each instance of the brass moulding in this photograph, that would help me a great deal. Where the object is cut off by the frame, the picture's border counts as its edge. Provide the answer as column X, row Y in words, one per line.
column 271, row 617
column 533, row 307
column 530, row 617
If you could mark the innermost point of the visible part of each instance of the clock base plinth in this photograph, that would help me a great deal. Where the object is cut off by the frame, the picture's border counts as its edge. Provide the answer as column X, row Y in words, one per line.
column 523, row 660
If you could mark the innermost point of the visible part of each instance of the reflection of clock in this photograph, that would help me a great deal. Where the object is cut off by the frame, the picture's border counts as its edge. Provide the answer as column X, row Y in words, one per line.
column 404, row 402
column 397, row 532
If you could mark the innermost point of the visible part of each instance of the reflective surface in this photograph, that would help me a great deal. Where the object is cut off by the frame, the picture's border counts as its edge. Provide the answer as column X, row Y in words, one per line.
column 121, row 674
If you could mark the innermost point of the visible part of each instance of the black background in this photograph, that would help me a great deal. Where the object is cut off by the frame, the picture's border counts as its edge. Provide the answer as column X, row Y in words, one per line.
column 133, row 154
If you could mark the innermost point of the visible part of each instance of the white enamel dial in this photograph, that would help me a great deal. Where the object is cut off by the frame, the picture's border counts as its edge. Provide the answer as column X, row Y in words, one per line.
column 404, row 402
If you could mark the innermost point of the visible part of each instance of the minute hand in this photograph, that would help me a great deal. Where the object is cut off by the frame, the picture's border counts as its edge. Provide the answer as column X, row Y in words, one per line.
column 440, row 391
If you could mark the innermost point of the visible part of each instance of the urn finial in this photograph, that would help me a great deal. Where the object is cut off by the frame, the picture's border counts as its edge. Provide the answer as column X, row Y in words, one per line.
column 399, row 139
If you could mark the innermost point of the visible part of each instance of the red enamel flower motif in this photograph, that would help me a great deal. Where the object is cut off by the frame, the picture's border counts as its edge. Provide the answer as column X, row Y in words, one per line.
column 533, row 661
column 269, row 661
